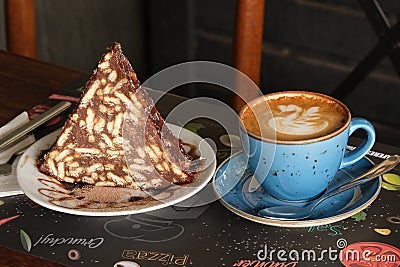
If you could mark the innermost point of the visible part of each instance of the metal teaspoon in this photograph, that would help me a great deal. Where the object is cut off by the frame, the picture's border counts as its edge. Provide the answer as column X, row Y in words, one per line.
column 298, row 213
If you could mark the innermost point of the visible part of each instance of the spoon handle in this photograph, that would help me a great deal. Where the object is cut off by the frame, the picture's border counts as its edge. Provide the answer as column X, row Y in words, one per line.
column 377, row 170
column 13, row 136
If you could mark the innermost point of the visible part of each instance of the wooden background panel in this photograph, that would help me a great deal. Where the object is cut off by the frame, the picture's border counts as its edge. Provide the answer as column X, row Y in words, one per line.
column 337, row 34
column 76, row 34
column 308, row 44
column 332, row 30
column 216, row 16
column 375, row 98
column 171, row 27
column 300, row 69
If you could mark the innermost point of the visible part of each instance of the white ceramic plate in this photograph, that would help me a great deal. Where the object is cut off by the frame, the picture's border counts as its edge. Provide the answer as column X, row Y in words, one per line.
column 54, row 195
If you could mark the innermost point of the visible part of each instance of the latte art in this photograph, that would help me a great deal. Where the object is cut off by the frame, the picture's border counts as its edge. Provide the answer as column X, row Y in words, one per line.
column 294, row 116
column 295, row 120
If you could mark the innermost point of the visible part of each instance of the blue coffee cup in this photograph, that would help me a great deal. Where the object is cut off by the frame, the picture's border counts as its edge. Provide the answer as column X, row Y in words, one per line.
column 302, row 169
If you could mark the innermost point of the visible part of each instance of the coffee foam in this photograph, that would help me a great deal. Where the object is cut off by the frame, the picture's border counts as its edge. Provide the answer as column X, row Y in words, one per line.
column 295, row 117
column 296, row 120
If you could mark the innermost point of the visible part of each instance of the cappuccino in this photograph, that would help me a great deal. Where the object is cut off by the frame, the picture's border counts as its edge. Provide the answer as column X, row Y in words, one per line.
column 294, row 116
column 296, row 142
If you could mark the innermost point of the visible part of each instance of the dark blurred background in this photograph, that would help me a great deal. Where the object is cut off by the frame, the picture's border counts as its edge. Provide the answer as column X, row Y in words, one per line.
column 308, row 44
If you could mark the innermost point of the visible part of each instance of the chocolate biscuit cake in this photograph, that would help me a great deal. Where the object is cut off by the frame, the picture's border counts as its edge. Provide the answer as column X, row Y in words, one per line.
column 116, row 136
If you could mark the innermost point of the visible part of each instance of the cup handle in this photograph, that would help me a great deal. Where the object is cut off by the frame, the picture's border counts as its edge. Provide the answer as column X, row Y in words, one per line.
column 353, row 156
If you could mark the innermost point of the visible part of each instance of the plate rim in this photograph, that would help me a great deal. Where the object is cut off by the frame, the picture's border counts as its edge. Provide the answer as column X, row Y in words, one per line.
column 210, row 170
column 293, row 223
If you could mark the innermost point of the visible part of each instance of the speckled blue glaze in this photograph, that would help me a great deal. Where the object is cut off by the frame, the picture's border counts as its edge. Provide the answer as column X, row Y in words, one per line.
column 301, row 171
column 233, row 188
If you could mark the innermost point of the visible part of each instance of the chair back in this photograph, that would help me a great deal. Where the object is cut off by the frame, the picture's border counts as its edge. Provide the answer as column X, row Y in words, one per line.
column 248, row 44
column 21, row 27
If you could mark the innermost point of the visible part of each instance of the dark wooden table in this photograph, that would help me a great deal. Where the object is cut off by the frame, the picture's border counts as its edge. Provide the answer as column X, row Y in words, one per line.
column 208, row 236
column 25, row 82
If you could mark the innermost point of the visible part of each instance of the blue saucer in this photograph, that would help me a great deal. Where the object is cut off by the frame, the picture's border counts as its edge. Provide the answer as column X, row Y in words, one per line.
column 232, row 181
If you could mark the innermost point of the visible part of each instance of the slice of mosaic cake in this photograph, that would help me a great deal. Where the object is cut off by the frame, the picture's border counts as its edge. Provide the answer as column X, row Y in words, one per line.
column 116, row 136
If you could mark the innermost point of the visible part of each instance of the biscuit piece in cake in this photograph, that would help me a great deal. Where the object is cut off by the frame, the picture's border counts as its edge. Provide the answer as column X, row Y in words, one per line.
column 116, row 136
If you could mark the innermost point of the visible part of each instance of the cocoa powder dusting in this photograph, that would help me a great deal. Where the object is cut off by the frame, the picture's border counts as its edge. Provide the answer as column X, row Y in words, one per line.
column 99, row 194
